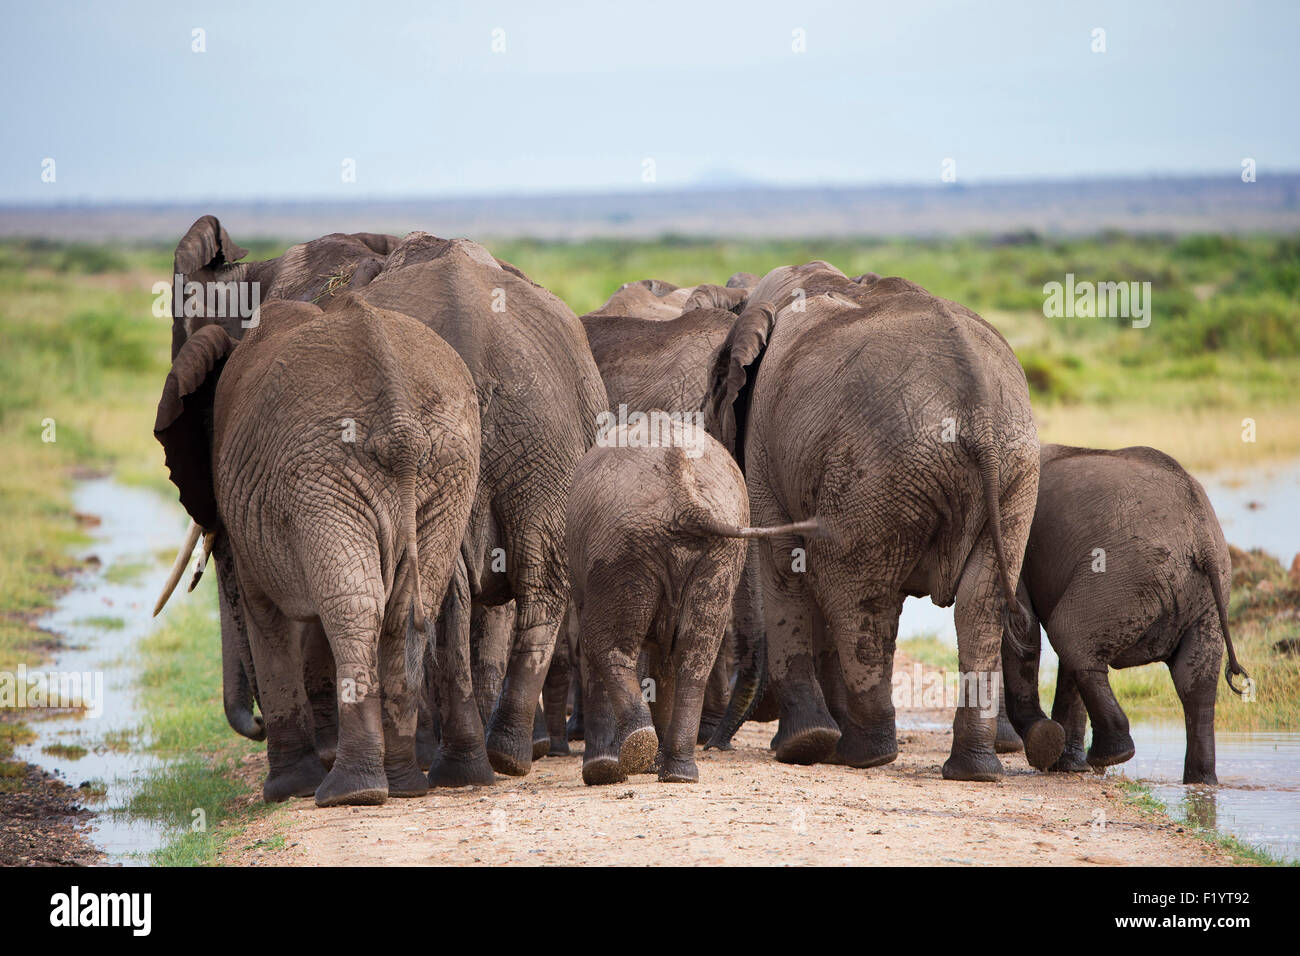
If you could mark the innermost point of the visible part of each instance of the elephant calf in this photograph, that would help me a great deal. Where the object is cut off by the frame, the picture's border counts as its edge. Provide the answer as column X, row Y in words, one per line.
column 339, row 453
column 653, row 530
column 1126, row 564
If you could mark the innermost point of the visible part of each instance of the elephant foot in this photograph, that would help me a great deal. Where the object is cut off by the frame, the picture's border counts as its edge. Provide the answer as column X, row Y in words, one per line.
column 327, row 752
column 1207, row 777
column 637, row 754
column 574, row 729
column 1044, row 743
column 1071, row 761
column 299, row 779
column 407, row 782
column 426, row 750
column 678, row 769
column 454, row 771
column 861, row 749
column 707, row 729
column 512, row 754
column 1106, row 753
column 807, row 746
column 715, row 744
column 597, row 771
column 1007, row 740
column 559, row 747
column 978, row 767
column 342, row 787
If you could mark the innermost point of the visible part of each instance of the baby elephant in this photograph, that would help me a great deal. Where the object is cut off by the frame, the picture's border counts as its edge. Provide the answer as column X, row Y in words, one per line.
column 1126, row 565
column 656, row 517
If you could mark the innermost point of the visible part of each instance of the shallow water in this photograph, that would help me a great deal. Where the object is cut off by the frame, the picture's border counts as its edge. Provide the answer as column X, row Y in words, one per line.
column 134, row 526
column 1258, row 796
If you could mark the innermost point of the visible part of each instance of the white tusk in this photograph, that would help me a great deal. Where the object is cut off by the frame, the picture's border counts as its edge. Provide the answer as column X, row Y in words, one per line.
column 178, row 568
column 202, row 562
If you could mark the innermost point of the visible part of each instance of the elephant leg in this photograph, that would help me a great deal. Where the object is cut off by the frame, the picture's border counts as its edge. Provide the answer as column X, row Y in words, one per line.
column 509, row 733
column 658, row 684
column 1194, row 667
column 574, row 730
column 1020, row 711
column 600, row 752
column 1111, row 742
column 1069, row 712
column 752, row 685
column 555, row 696
column 541, row 736
column 401, row 766
column 491, row 630
column 978, row 616
column 807, row 732
column 716, row 691
column 295, row 769
column 353, row 624
column 428, row 729
column 462, row 756
column 701, row 630
column 624, row 741
column 318, row 675
column 865, row 642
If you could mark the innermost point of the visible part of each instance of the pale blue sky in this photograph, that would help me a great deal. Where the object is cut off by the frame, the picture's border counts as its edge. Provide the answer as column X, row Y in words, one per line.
column 585, row 92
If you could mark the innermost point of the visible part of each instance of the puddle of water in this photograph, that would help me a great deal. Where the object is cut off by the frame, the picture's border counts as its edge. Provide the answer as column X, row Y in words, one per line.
column 135, row 525
column 1258, row 796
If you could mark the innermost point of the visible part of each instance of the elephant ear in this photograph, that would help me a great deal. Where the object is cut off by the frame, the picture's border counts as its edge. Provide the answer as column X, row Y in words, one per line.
column 206, row 246
column 184, row 422
column 732, row 380
column 716, row 297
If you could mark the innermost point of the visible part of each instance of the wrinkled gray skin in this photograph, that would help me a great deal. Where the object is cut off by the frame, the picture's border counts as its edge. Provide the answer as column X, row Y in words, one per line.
column 838, row 396
column 650, row 362
column 1162, row 597
column 539, row 394
column 351, row 531
column 655, row 553
column 207, row 256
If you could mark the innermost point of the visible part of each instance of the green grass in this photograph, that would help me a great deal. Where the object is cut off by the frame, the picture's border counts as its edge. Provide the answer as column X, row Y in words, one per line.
column 180, row 681
column 930, row 651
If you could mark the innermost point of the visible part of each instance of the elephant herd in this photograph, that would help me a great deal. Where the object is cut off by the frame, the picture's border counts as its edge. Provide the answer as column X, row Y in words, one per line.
column 455, row 526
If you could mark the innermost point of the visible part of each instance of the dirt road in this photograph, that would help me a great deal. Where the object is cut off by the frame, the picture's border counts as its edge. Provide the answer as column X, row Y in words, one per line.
column 747, row 810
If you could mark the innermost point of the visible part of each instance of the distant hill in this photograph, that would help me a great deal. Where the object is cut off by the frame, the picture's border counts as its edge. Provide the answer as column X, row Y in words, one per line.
column 1157, row 204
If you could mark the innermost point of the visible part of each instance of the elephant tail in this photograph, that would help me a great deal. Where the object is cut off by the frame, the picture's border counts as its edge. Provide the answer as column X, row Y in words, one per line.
column 410, row 561
column 1233, row 667
column 701, row 523
column 1015, row 619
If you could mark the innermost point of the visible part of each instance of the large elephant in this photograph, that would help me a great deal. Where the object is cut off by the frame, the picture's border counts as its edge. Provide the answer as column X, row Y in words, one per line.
column 654, row 527
column 1126, row 565
column 902, row 421
column 338, row 453
column 540, row 394
column 213, row 287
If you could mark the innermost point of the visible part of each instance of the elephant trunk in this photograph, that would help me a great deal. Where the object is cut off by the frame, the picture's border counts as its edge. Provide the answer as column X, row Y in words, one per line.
column 751, row 685
column 237, row 691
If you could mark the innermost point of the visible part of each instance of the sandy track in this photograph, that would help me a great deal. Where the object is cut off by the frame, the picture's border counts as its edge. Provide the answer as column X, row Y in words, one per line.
column 747, row 810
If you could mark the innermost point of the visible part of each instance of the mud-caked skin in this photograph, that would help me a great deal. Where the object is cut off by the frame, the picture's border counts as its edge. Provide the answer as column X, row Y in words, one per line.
column 654, row 345
column 655, row 532
column 338, row 454
column 902, row 421
column 538, row 392
column 1126, row 565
